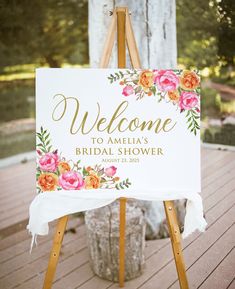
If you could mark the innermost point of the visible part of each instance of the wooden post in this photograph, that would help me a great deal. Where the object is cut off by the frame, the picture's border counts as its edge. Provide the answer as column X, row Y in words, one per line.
column 176, row 243
column 55, row 252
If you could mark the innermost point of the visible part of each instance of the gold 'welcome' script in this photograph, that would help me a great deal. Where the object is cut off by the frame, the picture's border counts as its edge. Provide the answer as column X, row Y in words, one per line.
column 118, row 121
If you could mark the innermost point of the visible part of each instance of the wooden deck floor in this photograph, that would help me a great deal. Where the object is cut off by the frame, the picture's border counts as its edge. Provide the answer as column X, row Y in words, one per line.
column 209, row 257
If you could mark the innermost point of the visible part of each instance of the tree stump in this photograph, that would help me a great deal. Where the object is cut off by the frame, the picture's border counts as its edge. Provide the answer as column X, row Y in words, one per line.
column 156, row 223
column 103, row 240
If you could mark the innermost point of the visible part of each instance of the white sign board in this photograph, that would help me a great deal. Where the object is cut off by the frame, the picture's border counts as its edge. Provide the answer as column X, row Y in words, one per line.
column 126, row 132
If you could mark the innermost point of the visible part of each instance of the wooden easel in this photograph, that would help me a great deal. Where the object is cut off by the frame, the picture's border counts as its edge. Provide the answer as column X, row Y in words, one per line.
column 121, row 22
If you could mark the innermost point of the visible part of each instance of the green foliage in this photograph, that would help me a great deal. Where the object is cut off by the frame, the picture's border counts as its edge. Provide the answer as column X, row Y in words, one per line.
column 16, row 100
column 226, row 31
column 205, row 32
column 122, row 185
column 192, row 120
column 196, row 33
column 43, row 31
column 214, row 106
column 117, row 76
column 44, row 143
column 210, row 106
column 224, row 135
column 12, row 144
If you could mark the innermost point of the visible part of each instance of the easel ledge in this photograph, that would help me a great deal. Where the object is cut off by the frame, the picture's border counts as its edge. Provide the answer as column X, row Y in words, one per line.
column 122, row 24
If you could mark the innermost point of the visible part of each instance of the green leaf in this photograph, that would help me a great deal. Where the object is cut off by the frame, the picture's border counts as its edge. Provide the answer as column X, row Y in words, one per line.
column 138, row 89
column 190, row 125
column 153, row 89
column 117, row 75
column 122, row 185
column 47, row 136
column 121, row 73
column 100, row 172
column 85, row 172
column 40, row 137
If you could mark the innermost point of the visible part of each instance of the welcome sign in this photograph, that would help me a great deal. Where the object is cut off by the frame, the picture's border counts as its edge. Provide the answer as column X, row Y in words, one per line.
column 130, row 133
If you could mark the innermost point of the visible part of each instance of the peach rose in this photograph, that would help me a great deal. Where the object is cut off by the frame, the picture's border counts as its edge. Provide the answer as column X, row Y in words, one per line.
column 48, row 182
column 146, row 79
column 173, row 95
column 189, row 80
column 128, row 90
column 92, row 182
column 49, row 162
column 166, row 80
column 63, row 167
column 71, row 181
column 188, row 100
column 111, row 171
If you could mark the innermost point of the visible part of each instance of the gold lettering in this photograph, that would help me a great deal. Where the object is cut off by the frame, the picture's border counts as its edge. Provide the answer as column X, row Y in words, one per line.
column 102, row 124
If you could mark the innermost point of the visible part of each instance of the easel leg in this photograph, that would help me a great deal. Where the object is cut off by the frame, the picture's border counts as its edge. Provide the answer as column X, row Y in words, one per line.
column 176, row 243
column 122, row 241
column 121, row 37
column 121, row 42
column 55, row 252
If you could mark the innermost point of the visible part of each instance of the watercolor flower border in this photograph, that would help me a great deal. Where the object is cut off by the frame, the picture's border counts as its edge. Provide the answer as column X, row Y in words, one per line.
column 54, row 172
column 178, row 87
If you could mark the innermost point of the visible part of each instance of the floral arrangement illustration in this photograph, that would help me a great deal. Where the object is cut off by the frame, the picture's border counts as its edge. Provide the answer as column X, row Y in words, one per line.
column 179, row 87
column 54, row 172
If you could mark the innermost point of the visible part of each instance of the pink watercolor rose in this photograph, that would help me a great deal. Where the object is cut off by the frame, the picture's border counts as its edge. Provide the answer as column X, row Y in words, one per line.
column 188, row 100
column 71, row 181
column 111, row 171
column 49, row 162
column 166, row 80
column 128, row 90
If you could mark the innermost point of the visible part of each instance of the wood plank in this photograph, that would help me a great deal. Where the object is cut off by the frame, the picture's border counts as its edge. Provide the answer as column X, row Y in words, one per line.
column 166, row 275
column 218, row 161
column 23, row 189
column 13, row 264
column 232, row 285
column 65, row 266
column 73, row 245
column 76, row 278
column 23, row 239
column 223, row 274
column 20, row 172
column 216, row 186
column 211, row 200
column 164, row 255
column 210, row 260
column 218, row 173
column 214, row 160
column 15, row 207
